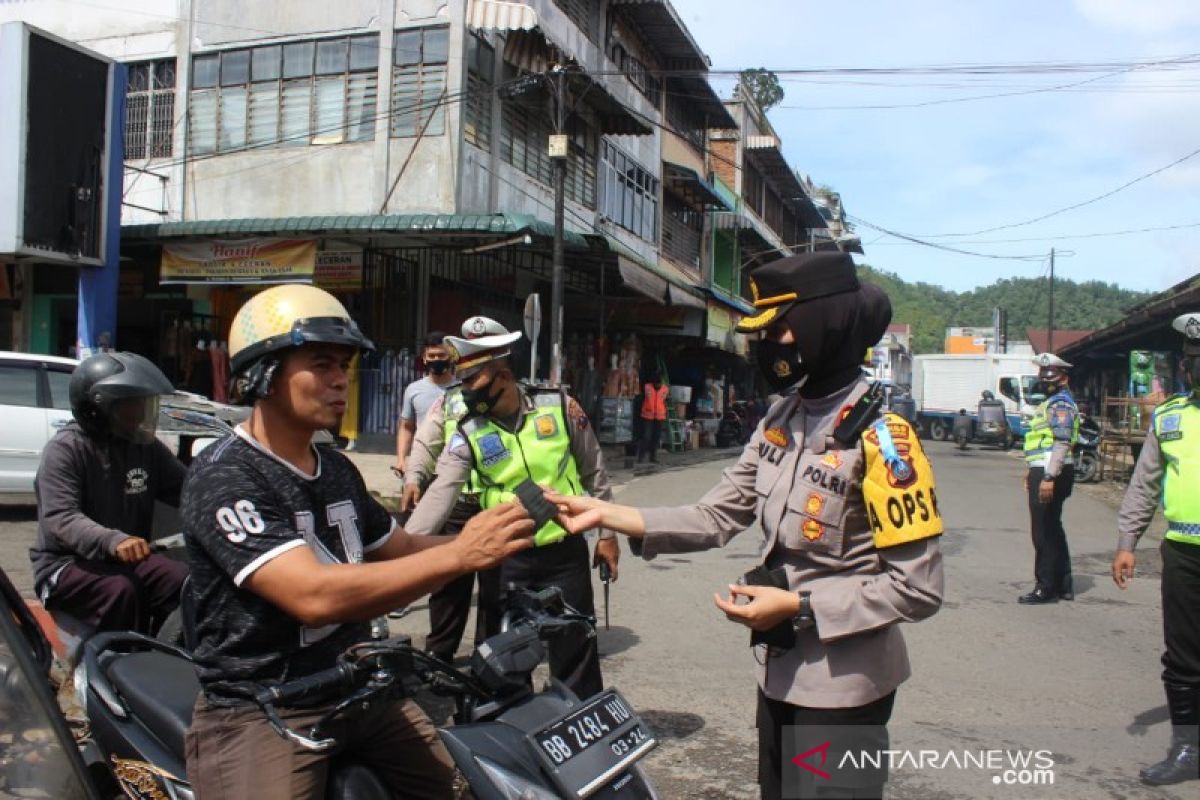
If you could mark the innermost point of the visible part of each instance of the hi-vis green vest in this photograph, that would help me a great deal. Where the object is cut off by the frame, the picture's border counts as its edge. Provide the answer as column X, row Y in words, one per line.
column 540, row 450
column 1177, row 427
column 1057, row 411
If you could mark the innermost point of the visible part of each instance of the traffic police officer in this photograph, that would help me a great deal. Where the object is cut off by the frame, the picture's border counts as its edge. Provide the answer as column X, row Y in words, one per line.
column 1049, row 443
column 1168, row 469
column 847, row 504
column 512, row 432
column 450, row 606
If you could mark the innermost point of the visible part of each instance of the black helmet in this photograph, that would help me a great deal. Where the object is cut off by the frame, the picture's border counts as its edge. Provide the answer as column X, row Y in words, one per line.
column 987, row 395
column 101, row 381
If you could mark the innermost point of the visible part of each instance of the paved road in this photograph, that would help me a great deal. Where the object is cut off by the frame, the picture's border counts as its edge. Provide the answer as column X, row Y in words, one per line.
column 1079, row 679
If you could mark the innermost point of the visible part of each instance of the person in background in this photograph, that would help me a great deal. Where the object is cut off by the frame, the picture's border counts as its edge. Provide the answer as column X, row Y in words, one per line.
column 97, row 484
column 654, row 417
column 1049, row 447
column 421, row 394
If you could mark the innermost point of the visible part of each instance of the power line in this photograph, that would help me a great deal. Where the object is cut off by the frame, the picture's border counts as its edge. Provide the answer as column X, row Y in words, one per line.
column 1073, row 206
column 937, row 246
column 1094, row 235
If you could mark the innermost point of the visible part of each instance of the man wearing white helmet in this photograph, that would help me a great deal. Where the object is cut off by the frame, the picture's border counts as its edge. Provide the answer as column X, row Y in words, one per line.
column 1167, row 471
column 1049, row 443
column 290, row 555
column 509, row 432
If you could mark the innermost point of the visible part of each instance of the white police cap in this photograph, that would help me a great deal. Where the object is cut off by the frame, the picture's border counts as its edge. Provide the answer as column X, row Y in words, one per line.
column 1045, row 360
column 1189, row 325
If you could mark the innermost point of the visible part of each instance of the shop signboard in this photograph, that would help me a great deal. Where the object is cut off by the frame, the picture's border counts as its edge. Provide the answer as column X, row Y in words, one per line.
column 340, row 270
column 239, row 261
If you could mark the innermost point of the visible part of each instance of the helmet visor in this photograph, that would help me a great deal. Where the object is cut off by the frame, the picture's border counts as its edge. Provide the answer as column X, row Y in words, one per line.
column 134, row 418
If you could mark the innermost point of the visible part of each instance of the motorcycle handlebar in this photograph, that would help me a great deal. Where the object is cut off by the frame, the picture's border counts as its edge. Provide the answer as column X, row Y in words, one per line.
column 309, row 687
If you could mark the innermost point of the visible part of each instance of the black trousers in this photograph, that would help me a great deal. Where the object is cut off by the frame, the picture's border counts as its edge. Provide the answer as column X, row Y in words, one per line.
column 651, row 436
column 1052, row 558
column 574, row 659
column 775, row 715
column 1181, row 613
column 450, row 605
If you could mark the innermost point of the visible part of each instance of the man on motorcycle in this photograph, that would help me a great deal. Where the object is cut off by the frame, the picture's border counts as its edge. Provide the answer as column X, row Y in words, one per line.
column 291, row 557
column 97, row 484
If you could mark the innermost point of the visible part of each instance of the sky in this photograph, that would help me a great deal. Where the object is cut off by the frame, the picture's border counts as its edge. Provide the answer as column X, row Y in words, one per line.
column 966, row 166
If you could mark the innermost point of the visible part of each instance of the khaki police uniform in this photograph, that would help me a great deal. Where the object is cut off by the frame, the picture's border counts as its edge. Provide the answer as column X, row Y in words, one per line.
column 450, row 606
column 807, row 494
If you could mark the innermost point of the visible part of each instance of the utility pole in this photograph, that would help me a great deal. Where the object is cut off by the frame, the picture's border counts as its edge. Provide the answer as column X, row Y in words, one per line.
column 558, row 155
column 1050, row 326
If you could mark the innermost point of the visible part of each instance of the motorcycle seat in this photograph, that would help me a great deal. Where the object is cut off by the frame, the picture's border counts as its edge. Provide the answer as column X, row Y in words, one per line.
column 160, row 690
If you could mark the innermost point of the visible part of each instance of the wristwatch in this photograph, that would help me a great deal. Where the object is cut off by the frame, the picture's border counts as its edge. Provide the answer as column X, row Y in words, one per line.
column 804, row 619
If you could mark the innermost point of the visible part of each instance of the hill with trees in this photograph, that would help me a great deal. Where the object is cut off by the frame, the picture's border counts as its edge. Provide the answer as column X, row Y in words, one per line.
column 931, row 309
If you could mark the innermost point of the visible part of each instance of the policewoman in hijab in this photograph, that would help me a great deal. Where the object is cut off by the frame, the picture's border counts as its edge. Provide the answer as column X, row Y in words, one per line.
column 849, row 515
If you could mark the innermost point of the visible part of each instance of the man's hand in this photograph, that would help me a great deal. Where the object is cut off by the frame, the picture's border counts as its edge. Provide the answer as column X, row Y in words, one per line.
column 767, row 608
column 1122, row 568
column 133, row 550
column 410, row 497
column 1046, row 492
column 400, row 467
column 608, row 551
column 493, row 535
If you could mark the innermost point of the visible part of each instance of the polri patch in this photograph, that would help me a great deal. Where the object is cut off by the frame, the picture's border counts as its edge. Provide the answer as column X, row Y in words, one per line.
column 832, row 459
column 545, row 426
column 776, row 436
column 814, row 505
column 812, row 530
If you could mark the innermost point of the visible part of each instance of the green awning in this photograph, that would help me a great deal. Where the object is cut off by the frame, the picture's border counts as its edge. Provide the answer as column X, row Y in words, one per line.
column 364, row 225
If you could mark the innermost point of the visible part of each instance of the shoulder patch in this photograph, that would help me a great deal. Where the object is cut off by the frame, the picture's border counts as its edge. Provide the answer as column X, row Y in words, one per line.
column 457, row 442
column 576, row 413
column 898, row 485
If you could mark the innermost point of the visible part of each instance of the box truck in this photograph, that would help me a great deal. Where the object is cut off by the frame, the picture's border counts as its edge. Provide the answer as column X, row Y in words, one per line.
column 942, row 384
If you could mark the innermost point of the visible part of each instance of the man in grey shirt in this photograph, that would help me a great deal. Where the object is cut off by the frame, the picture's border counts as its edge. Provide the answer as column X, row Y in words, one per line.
column 420, row 395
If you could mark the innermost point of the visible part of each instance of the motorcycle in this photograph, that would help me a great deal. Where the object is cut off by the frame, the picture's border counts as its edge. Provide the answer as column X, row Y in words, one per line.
column 507, row 741
column 1087, row 451
column 735, row 427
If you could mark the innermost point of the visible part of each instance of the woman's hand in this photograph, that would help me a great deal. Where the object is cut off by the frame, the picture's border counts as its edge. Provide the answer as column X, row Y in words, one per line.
column 577, row 514
column 767, row 606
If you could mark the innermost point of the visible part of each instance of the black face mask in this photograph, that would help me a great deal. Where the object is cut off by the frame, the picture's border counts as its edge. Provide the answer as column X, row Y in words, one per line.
column 478, row 401
column 780, row 364
column 438, row 367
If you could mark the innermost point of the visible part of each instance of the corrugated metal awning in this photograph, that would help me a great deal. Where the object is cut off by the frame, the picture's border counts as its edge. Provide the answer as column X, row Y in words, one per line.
column 768, row 157
column 638, row 276
column 660, row 25
column 532, row 52
column 366, row 225
column 688, row 184
column 497, row 15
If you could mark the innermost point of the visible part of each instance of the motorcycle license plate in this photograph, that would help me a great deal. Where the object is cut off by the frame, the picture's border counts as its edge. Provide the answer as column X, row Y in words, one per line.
column 585, row 749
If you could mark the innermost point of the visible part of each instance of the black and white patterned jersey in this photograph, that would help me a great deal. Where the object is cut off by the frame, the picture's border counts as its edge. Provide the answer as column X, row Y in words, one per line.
column 243, row 506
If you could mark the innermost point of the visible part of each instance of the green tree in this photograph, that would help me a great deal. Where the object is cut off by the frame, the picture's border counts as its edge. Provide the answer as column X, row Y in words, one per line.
column 930, row 309
column 763, row 86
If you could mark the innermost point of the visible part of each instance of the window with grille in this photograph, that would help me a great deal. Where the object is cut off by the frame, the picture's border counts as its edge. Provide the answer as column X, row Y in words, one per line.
column 150, row 109
column 477, row 123
column 293, row 94
column 637, row 73
column 419, row 58
column 682, row 230
column 524, row 143
column 628, row 193
column 683, row 117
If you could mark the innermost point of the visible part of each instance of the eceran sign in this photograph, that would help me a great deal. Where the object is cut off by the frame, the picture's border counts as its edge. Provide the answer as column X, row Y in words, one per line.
column 264, row 260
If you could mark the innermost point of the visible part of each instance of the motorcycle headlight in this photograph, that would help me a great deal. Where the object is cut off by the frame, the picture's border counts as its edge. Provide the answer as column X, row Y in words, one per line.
column 80, row 681
column 510, row 785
